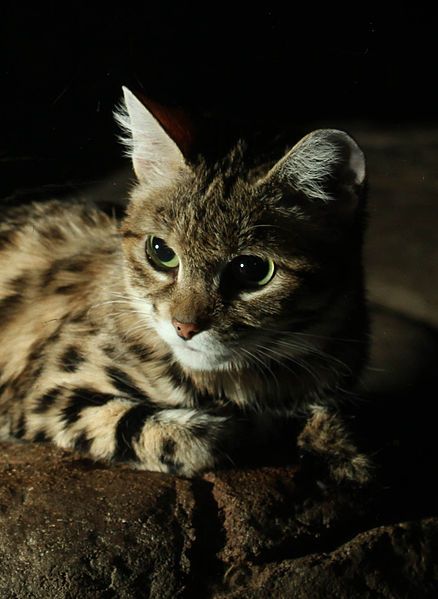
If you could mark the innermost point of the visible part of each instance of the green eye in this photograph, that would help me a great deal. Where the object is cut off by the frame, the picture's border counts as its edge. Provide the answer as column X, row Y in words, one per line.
column 160, row 254
column 252, row 271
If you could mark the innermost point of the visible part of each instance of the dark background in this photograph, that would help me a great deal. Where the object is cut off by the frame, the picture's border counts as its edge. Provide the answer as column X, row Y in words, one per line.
column 254, row 72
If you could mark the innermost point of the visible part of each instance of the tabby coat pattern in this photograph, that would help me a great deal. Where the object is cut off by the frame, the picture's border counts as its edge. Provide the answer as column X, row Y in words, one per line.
column 147, row 342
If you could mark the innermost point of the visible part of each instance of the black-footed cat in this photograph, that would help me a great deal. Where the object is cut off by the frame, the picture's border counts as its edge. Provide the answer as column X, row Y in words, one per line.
column 219, row 294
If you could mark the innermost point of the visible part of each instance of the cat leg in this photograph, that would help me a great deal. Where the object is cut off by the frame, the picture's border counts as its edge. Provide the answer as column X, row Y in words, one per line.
column 106, row 427
column 325, row 438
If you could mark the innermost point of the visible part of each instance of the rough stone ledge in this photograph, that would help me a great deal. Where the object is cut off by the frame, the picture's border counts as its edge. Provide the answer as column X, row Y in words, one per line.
column 388, row 561
column 71, row 528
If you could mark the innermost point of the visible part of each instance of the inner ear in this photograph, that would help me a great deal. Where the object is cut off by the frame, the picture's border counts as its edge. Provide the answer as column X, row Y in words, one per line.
column 175, row 122
column 349, row 167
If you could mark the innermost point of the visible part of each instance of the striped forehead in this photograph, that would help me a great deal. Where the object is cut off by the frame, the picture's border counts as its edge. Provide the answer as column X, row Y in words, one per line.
column 218, row 211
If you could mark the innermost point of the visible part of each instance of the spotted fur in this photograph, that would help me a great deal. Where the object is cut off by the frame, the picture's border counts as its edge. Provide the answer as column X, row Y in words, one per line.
column 89, row 357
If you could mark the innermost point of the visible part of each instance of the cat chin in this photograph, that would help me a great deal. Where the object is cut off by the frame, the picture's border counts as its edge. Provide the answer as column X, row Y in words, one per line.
column 201, row 361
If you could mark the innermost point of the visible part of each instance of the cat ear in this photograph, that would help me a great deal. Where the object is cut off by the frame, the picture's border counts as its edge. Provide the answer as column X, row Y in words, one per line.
column 325, row 165
column 152, row 151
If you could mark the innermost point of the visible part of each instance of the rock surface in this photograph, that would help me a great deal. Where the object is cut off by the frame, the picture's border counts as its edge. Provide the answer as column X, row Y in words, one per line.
column 71, row 528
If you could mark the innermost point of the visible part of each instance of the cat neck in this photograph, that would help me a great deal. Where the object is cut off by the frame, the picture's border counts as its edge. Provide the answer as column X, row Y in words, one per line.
column 266, row 387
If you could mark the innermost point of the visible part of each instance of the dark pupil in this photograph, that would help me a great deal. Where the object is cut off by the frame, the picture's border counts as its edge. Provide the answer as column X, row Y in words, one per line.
column 162, row 251
column 249, row 269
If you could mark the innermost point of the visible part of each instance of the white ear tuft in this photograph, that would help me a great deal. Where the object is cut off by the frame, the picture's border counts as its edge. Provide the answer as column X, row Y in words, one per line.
column 324, row 161
column 154, row 154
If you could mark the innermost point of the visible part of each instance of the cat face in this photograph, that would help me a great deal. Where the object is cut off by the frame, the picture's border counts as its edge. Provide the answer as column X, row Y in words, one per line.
column 221, row 266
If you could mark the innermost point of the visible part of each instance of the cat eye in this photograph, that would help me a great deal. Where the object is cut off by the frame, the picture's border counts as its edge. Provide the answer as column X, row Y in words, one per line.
column 252, row 271
column 160, row 254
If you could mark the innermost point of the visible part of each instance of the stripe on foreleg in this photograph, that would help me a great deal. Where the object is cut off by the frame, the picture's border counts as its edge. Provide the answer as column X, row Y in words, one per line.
column 129, row 429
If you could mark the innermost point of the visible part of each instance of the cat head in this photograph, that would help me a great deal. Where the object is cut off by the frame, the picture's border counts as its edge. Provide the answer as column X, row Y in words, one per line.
column 222, row 263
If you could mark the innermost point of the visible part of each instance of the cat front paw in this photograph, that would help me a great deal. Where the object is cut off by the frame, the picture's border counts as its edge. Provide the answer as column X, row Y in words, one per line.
column 326, row 448
column 184, row 442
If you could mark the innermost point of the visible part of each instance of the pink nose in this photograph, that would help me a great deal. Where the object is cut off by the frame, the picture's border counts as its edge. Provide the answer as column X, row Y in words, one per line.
column 185, row 330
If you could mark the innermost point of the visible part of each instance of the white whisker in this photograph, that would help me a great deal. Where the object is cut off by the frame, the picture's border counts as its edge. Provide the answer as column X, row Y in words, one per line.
column 316, row 352
column 293, row 334
column 294, row 359
column 263, row 364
